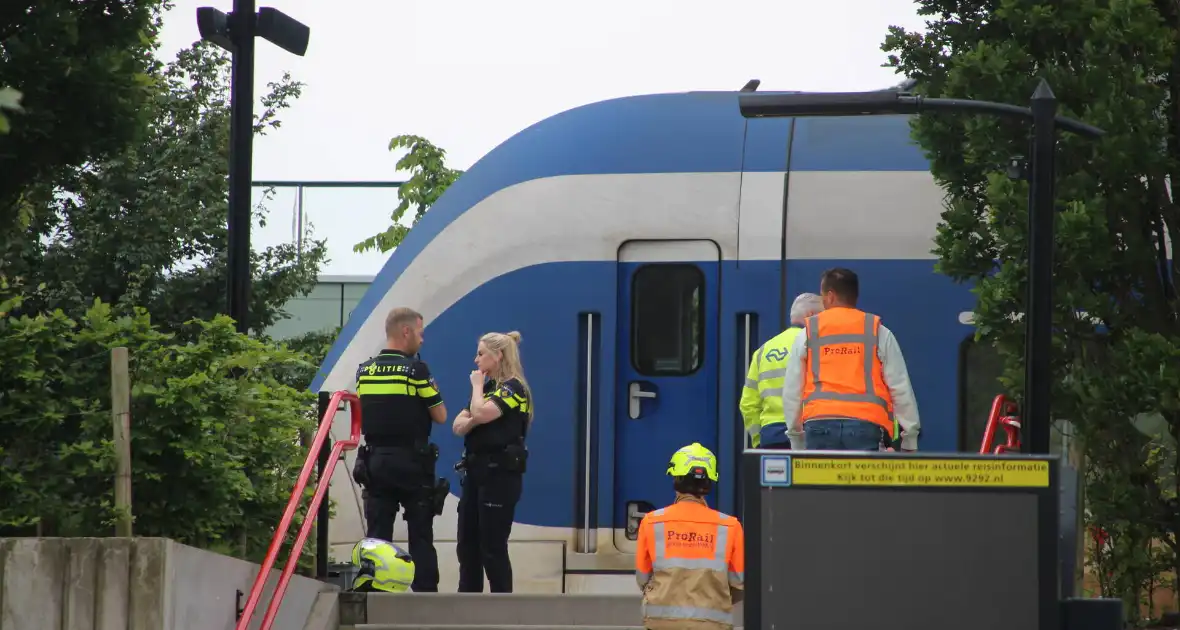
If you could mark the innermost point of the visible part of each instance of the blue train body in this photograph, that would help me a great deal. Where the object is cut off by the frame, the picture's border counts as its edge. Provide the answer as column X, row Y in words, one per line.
column 644, row 247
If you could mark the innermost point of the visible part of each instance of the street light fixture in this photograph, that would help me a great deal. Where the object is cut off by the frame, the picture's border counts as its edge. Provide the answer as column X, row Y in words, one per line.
column 1043, row 113
column 235, row 32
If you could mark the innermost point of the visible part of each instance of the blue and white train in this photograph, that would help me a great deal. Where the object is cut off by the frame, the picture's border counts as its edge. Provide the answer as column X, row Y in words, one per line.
column 644, row 247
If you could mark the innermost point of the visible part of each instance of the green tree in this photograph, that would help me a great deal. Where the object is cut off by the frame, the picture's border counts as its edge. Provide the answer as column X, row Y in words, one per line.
column 429, row 178
column 314, row 345
column 1115, row 65
column 9, row 100
column 83, row 67
column 146, row 226
column 214, row 458
column 139, row 227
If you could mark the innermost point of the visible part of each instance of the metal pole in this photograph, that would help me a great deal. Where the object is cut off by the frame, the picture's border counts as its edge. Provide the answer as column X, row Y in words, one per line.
column 1039, row 315
column 299, row 224
column 322, row 517
column 241, row 155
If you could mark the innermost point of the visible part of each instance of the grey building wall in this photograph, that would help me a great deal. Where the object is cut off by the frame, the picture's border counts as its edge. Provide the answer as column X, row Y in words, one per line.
column 327, row 306
column 139, row 584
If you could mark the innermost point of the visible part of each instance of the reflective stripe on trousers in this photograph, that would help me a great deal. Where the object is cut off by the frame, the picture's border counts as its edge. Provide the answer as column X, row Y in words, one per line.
column 687, row 612
column 719, row 562
column 868, row 339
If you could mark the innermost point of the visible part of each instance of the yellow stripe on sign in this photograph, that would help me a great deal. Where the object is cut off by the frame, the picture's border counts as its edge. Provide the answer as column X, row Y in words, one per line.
column 885, row 471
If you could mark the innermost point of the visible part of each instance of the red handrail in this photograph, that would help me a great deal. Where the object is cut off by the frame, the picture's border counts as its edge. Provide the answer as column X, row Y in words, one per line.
column 276, row 543
column 1004, row 414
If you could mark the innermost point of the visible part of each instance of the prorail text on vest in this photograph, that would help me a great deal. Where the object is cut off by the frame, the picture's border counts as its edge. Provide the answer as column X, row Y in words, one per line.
column 843, row 350
column 691, row 538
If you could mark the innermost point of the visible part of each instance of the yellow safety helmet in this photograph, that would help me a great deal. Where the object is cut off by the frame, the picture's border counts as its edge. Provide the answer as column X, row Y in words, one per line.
column 693, row 461
column 383, row 566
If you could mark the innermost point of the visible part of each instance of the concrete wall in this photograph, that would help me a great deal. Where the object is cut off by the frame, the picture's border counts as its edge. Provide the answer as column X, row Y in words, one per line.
column 133, row 584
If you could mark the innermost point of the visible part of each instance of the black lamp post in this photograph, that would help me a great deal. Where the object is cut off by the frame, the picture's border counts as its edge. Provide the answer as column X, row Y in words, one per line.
column 1039, row 318
column 235, row 32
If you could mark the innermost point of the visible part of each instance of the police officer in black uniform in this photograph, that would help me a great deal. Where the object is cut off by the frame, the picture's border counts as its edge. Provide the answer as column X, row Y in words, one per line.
column 495, row 425
column 400, row 403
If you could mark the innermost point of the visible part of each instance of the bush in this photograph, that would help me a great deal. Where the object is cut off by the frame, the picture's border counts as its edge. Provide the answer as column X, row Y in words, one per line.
column 215, row 431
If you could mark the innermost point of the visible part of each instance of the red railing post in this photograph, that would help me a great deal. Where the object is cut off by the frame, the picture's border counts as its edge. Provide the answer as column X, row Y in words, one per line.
column 989, row 430
column 1003, row 415
column 1011, row 425
column 322, row 485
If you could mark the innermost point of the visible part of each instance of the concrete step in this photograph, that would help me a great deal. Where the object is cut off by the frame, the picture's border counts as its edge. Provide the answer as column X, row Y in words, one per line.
column 512, row 627
column 537, row 564
column 414, row 626
column 492, row 610
column 509, row 609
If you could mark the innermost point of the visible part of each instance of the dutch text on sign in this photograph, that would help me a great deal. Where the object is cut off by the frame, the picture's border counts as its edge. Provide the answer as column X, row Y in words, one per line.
column 919, row 472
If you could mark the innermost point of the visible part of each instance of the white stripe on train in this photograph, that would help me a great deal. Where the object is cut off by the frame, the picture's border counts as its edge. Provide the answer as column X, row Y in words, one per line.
column 835, row 215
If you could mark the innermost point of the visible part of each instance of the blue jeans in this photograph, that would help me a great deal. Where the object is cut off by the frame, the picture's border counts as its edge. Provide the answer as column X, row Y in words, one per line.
column 774, row 436
column 842, row 435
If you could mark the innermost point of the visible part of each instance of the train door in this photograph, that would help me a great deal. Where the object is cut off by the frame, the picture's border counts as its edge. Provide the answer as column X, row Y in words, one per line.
column 666, row 369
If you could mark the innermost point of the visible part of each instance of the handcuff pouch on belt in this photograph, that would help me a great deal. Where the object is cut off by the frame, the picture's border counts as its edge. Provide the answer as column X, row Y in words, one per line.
column 438, row 496
column 360, row 470
column 515, row 458
column 438, row 491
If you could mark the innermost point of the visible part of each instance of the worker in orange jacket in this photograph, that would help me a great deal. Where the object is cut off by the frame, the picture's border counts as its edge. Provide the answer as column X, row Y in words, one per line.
column 846, row 386
column 691, row 559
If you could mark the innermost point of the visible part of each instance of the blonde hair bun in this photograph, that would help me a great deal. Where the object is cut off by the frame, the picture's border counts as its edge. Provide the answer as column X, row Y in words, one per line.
column 514, row 335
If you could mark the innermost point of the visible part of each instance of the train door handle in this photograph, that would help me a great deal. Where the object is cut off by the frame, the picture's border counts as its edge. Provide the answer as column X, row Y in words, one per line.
column 635, row 513
column 635, row 393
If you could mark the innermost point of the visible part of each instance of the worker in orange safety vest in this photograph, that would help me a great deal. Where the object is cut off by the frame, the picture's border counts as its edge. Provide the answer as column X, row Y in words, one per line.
column 690, row 563
column 846, row 386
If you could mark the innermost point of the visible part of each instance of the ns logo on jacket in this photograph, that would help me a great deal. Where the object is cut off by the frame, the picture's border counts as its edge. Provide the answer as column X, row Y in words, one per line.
column 776, row 354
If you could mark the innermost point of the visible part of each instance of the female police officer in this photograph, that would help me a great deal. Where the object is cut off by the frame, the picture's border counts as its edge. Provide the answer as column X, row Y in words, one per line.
column 495, row 425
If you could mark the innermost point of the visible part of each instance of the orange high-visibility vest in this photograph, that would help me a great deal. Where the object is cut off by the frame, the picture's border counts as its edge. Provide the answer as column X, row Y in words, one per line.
column 689, row 559
column 844, row 376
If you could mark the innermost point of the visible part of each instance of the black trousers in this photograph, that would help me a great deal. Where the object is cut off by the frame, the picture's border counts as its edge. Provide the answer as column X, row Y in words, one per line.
column 487, row 506
column 390, row 491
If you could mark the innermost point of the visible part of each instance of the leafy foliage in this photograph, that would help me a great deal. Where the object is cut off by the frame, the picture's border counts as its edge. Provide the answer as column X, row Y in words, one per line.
column 83, row 68
column 315, row 345
column 429, row 178
column 1116, row 363
column 9, row 100
column 213, row 457
column 113, row 231
column 147, row 226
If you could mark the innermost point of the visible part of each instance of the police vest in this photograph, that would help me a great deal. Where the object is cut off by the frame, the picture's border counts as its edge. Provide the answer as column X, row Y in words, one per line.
column 844, row 377
column 510, row 428
column 394, row 400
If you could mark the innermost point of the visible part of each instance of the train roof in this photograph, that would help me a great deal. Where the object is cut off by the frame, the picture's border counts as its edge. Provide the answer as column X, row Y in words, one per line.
column 690, row 132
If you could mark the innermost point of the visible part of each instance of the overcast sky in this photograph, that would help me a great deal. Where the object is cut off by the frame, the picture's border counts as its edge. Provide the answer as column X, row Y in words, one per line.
column 468, row 74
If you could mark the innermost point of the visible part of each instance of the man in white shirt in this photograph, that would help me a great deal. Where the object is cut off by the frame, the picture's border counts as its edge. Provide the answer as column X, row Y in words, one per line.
column 830, row 400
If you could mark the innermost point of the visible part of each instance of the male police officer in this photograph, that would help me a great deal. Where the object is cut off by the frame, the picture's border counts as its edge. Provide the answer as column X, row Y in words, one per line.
column 399, row 401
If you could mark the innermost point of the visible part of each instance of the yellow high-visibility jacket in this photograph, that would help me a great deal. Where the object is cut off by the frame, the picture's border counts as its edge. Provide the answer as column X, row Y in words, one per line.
column 762, row 401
